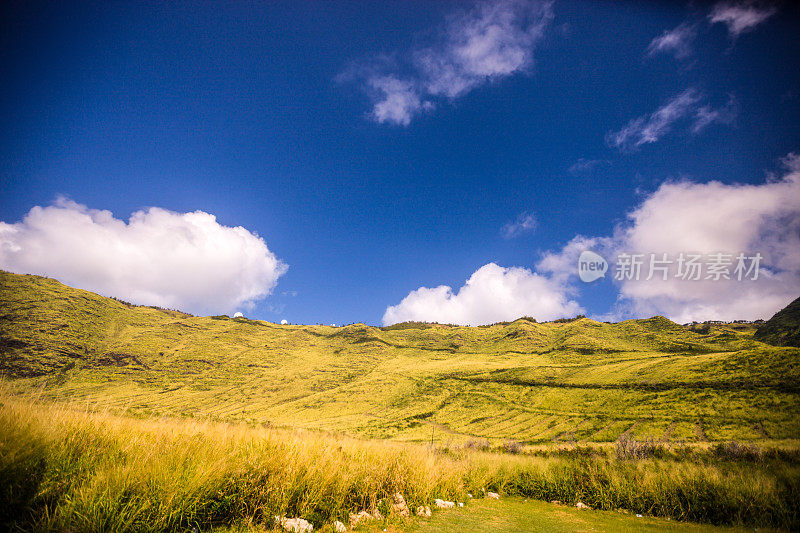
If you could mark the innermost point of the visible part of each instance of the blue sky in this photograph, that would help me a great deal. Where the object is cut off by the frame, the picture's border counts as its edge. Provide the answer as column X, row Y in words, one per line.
column 277, row 117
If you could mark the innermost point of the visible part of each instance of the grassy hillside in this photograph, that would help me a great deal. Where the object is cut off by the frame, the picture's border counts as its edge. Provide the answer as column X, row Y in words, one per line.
column 783, row 329
column 567, row 381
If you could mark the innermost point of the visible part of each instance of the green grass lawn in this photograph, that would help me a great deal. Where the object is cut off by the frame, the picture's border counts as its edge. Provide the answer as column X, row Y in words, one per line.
column 515, row 515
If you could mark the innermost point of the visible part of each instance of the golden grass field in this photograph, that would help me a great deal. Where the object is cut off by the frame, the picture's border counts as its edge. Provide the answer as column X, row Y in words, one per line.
column 67, row 468
column 118, row 417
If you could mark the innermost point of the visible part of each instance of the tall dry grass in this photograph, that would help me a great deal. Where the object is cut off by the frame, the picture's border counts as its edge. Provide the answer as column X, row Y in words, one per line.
column 63, row 468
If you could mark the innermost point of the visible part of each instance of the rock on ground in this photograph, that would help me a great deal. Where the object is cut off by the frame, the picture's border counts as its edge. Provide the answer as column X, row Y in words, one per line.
column 364, row 516
column 399, row 506
column 294, row 525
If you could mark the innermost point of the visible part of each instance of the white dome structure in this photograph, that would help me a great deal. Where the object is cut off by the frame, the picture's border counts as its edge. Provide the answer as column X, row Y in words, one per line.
column 284, row 321
column 238, row 314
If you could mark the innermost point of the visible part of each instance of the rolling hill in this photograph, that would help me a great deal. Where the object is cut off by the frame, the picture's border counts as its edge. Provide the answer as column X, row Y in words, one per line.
column 783, row 329
column 577, row 380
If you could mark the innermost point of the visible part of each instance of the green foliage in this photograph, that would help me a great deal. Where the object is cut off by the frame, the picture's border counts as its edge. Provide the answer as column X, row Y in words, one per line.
column 409, row 325
column 566, row 320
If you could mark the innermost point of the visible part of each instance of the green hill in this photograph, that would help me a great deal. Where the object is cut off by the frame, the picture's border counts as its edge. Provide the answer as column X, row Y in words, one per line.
column 783, row 329
column 531, row 382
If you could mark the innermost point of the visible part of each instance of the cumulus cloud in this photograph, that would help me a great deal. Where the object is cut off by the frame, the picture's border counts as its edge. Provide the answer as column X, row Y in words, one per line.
column 491, row 294
column 491, row 41
column 677, row 41
column 524, row 223
column 562, row 265
column 688, row 107
column 707, row 219
column 176, row 260
column 741, row 17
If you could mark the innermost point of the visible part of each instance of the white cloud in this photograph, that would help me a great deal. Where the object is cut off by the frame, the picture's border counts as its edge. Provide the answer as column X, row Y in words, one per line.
column 562, row 265
column 706, row 115
column 186, row 261
column 586, row 166
column 491, row 294
column 740, row 17
column 705, row 218
column 524, row 223
column 650, row 128
column 397, row 100
column 677, row 41
column 687, row 107
column 491, row 41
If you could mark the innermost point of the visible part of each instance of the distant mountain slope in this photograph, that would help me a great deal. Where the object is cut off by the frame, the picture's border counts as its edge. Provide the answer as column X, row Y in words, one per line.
column 783, row 329
column 576, row 380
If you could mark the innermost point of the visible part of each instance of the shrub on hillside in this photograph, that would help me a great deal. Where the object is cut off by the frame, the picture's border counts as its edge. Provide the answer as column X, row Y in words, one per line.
column 737, row 451
column 477, row 444
column 563, row 320
column 512, row 446
column 630, row 448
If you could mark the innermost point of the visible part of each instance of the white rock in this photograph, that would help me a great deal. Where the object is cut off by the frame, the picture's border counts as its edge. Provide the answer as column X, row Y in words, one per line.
column 364, row 516
column 469, row 495
column 493, row 495
column 424, row 510
column 399, row 506
column 338, row 527
column 294, row 525
column 461, row 504
column 442, row 504
column 581, row 505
